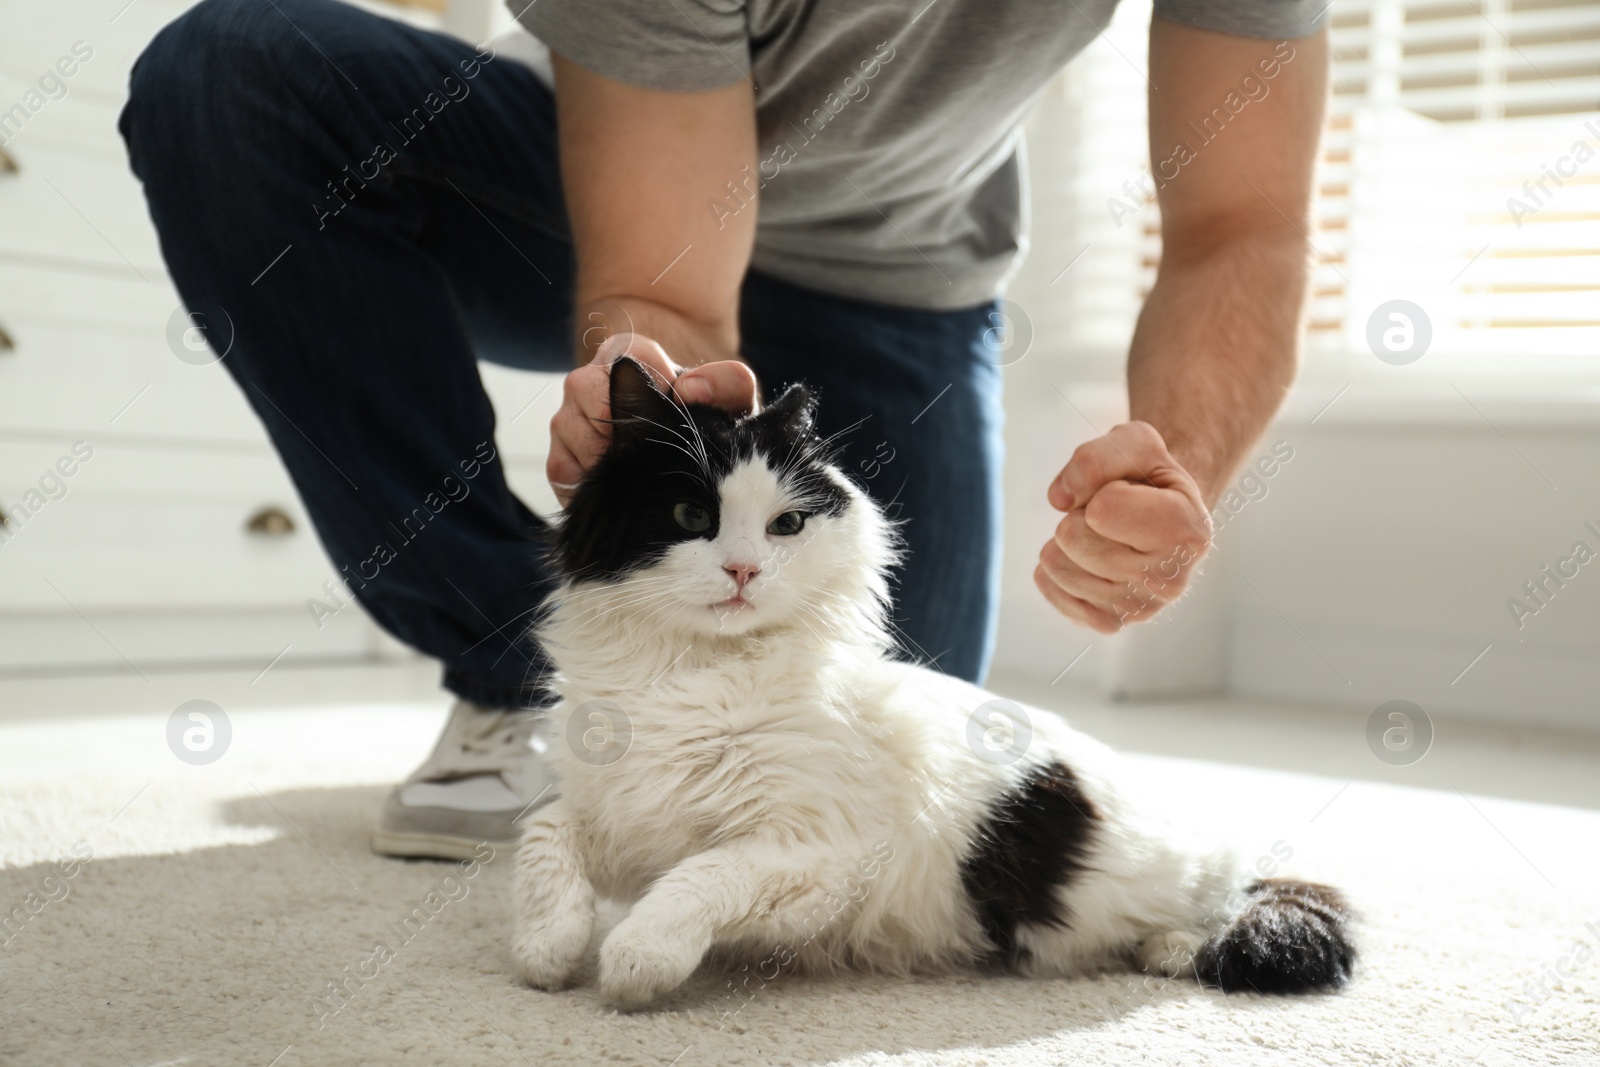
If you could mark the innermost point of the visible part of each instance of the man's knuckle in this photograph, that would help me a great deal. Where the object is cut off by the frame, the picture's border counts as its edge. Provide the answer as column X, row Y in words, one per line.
column 1142, row 432
column 1087, row 466
column 1181, row 532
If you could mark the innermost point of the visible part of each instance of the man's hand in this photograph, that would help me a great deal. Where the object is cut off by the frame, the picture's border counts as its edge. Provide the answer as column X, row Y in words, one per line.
column 1136, row 524
column 580, row 430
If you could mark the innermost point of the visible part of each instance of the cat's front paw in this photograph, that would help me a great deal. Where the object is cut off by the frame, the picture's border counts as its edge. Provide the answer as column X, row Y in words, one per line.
column 637, row 965
column 549, row 949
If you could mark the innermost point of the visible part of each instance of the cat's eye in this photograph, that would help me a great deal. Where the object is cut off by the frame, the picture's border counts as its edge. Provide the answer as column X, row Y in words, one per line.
column 692, row 517
column 788, row 524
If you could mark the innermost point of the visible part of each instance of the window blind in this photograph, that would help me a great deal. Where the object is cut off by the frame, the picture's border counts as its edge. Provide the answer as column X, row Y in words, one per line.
column 1460, row 170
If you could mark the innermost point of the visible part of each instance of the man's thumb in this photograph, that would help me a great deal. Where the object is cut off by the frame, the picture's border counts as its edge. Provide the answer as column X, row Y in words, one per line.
column 695, row 390
column 727, row 384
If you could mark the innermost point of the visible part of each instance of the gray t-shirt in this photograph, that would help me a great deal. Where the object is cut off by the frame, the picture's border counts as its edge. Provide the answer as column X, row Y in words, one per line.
column 888, row 130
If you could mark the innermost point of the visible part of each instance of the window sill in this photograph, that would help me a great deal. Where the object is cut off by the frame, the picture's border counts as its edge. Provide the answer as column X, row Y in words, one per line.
column 1436, row 404
column 1442, row 404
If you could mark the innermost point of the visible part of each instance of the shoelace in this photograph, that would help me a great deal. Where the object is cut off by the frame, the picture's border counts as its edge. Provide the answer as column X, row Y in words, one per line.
column 483, row 743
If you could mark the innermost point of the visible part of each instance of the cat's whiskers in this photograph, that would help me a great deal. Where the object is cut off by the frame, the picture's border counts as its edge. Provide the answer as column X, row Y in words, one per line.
column 700, row 442
column 598, row 613
column 611, row 604
column 662, row 426
column 606, row 598
column 790, row 462
column 694, row 448
column 810, row 607
column 803, row 621
column 645, row 627
column 821, row 450
column 824, row 603
column 700, row 463
column 697, row 443
column 603, row 592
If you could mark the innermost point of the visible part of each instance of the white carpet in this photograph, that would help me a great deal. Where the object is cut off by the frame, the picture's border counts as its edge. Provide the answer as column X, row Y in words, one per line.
column 221, row 899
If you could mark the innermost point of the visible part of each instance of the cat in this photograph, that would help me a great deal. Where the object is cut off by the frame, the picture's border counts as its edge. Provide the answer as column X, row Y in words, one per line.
column 740, row 758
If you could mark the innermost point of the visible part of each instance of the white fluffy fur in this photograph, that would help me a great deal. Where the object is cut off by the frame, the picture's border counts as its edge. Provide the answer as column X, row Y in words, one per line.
column 789, row 794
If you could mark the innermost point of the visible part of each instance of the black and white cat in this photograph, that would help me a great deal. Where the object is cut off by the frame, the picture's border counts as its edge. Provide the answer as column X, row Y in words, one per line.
column 746, row 765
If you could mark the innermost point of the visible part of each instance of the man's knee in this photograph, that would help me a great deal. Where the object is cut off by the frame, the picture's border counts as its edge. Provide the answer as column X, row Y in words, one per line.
column 200, row 64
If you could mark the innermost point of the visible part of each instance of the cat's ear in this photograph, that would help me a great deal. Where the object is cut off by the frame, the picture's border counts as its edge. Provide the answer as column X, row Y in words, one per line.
column 637, row 402
column 794, row 413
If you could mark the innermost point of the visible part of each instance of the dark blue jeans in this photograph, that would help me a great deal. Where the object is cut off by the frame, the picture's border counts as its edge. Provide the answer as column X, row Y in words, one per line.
column 365, row 210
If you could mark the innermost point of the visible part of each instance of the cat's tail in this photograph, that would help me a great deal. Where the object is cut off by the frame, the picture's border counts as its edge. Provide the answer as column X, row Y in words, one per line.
column 1288, row 937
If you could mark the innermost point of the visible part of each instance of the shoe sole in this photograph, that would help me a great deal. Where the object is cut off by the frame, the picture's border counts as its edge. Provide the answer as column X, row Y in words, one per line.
column 430, row 846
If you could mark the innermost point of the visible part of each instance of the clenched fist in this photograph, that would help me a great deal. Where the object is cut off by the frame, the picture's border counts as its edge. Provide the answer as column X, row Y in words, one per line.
column 580, row 431
column 1136, row 524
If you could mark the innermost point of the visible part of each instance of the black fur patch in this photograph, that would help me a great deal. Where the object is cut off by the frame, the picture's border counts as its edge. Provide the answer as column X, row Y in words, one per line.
column 1033, row 843
column 664, row 453
column 1292, row 937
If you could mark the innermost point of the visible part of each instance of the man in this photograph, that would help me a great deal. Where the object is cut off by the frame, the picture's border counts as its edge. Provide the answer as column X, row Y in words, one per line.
column 752, row 191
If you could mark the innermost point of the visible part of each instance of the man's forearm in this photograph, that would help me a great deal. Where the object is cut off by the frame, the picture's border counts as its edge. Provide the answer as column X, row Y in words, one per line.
column 636, row 167
column 1215, row 351
column 1216, row 345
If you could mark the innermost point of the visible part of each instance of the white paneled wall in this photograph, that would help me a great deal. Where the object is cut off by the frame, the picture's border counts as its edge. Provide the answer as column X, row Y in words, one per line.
column 142, row 556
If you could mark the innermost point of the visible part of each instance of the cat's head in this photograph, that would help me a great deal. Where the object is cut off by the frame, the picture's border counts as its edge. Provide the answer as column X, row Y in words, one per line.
column 698, row 523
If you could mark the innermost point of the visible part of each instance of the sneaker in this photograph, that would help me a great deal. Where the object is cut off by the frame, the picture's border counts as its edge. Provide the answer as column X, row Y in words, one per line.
column 485, row 774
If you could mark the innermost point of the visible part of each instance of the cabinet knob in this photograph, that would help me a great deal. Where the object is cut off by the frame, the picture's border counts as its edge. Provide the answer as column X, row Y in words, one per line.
column 6, row 343
column 8, row 165
column 269, row 521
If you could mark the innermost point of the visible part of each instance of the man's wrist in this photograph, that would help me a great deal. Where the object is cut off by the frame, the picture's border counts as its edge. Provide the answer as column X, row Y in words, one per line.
column 687, row 341
column 1202, row 463
column 1209, row 366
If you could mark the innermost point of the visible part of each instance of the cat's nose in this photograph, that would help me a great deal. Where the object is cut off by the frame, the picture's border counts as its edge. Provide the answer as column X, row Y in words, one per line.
column 741, row 573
